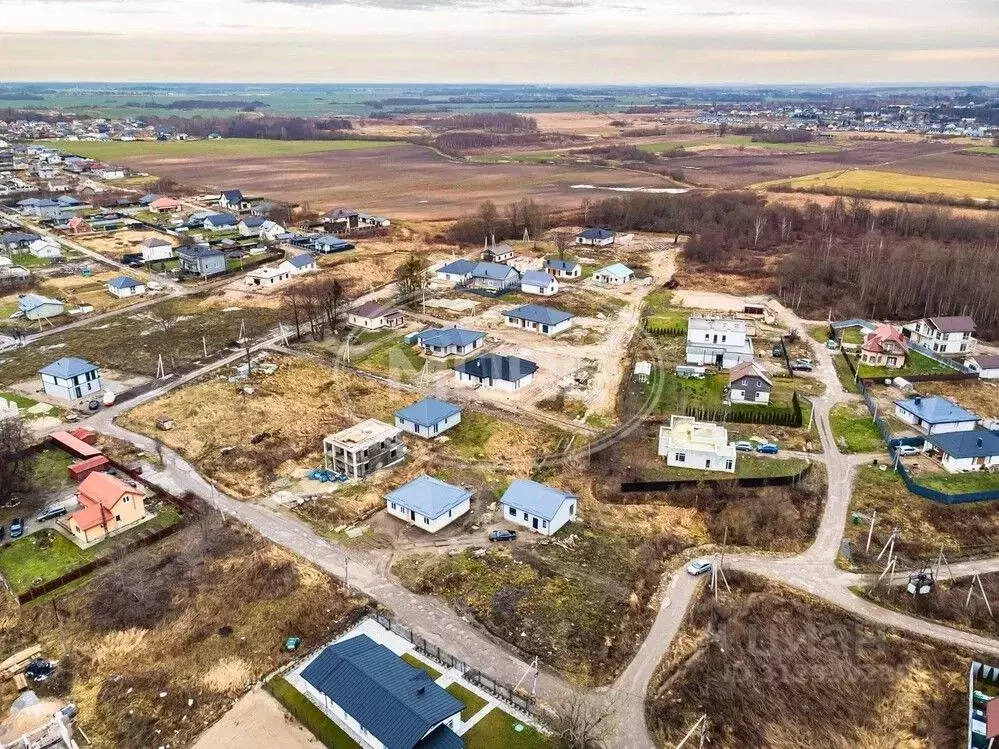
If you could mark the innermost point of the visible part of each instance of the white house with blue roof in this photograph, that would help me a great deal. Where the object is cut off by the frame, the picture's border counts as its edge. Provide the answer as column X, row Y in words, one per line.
column 220, row 222
column 428, row 503
column 540, row 507
column 960, row 452
column 493, row 277
column 444, row 342
column 70, row 378
column 297, row 264
column 596, row 237
column 496, row 372
column 124, row 286
column 536, row 318
column 381, row 700
column 538, row 282
column 428, row 417
column 935, row 415
column 617, row 274
column 38, row 307
column 563, row 268
column 457, row 271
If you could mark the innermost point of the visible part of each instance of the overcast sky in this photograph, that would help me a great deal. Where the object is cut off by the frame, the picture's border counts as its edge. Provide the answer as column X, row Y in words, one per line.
column 532, row 41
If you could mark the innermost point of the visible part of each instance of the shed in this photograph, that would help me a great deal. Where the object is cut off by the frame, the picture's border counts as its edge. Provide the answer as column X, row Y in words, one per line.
column 80, row 471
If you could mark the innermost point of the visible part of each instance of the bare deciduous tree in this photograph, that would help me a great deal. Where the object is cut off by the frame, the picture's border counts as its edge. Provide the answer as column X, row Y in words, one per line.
column 583, row 722
column 16, row 465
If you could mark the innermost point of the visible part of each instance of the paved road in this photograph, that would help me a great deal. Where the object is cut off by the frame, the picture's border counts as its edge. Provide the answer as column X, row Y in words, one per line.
column 813, row 571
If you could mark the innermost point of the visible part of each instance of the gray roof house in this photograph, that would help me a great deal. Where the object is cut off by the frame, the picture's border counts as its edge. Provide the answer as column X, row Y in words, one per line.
column 428, row 417
column 544, row 320
column 38, row 307
column 218, row 221
column 596, row 237
column 495, row 371
column 379, row 693
column 449, row 341
column 201, row 260
column 493, row 276
column 428, row 503
column 537, row 506
column 563, row 268
column 458, row 271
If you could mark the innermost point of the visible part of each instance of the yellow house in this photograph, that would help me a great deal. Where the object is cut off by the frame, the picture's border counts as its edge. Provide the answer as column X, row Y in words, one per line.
column 107, row 505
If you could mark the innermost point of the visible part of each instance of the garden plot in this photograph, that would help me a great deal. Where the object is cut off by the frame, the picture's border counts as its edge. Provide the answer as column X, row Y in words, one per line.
column 119, row 243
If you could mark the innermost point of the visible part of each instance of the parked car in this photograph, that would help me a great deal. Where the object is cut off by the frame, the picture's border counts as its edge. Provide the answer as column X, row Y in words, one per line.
column 744, row 446
column 777, row 350
column 51, row 512
column 802, row 365
column 699, row 567
column 768, row 447
column 503, row 535
column 906, row 451
column 16, row 528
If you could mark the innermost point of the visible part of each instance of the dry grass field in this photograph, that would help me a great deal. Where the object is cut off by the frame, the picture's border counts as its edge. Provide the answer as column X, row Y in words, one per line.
column 158, row 646
column 896, row 183
column 120, row 242
column 775, row 668
column 402, row 182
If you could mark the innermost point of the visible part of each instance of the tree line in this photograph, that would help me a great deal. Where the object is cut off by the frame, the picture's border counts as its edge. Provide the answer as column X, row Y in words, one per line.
column 848, row 258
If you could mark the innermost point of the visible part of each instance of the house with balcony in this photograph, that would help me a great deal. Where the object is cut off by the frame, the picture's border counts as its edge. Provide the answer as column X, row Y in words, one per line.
column 950, row 336
column 722, row 342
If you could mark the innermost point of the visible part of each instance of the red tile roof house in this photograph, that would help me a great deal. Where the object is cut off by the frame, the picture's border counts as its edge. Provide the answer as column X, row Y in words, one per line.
column 165, row 205
column 78, row 226
column 107, row 506
column 885, row 347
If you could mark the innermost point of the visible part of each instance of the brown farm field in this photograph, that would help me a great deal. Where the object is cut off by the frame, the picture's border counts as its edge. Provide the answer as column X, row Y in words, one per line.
column 408, row 182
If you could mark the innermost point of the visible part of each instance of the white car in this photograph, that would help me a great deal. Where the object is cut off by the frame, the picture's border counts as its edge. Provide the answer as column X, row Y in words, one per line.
column 699, row 567
column 905, row 451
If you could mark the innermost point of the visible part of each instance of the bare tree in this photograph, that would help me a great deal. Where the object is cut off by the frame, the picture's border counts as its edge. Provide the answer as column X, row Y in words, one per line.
column 412, row 276
column 583, row 722
column 562, row 239
column 16, row 463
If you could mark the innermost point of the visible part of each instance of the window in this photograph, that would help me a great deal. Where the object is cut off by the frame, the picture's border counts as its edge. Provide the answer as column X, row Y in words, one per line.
column 544, row 523
column 449, row 513
column 117, row 518
column 426, row 521
column 513, row 512
column 526, row 516
column 572, row 510
column 681, row 457
column 393, row 505
column 728, row 465
column 127, row 499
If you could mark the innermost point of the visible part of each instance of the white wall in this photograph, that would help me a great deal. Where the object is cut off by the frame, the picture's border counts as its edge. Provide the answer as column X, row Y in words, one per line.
column 698, row 460
column 536, row 328
column 399, row 511
column 66, row 389
column 157, row 253
column 464, row 379
column 565, row 513
column 958, row 426
column 960, row 465
column 425, row 432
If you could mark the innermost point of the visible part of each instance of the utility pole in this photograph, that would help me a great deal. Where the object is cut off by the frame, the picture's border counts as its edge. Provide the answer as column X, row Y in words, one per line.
column 160, row 369
column 701, row 723
column 204, row 346
column 942, row 558
column 870, row 532
column 977, row 579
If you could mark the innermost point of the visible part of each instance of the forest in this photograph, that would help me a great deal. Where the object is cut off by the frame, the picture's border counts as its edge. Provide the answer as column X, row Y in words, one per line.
column 893, row 263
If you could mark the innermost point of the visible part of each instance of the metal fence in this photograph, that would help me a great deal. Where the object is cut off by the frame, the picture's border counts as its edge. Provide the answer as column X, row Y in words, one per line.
column 632, row 487
column 496, row 688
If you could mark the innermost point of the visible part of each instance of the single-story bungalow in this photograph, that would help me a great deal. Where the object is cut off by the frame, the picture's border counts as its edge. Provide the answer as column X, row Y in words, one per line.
column 38, row 307
column 508, row 373
column 299, row 264
column 596, row 237
column 545, row 320
column 45, row 248
column 538, row 282
column 428, row 503
column 165, row 204
column 123, row 286
column 537, row 506
column 155, row 249
column 987, row 366
column 249, row 226
column 12, row 241
column 374, row 316
column 563, row 268
column 975, row 450
column 220, row 222
column 375, row 694
column 935, row 415
column 267, row 275
column 328, row 244
column 428, row 417
column 457, row 271
column 493, row 276
column 445, row 342
column 615, row 275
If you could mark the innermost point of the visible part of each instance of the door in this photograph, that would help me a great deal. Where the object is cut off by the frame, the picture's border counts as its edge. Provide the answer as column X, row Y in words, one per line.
column 719, row 360
column 412, row 515
column 534, row 523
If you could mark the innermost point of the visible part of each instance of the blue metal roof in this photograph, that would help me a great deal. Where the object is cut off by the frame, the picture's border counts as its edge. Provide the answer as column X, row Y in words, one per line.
column 936, row 410
column 428, row 412
column 31, row 301
column 537, row 499
column 254, row 221
column 442, row 738
column 458, row 267
column 566, row 265
column 222, row 219
column 536, row 278
column 331, row 239
column 300, row 261
column 492, row 271
column 428, row 496
column 123, row 282
column 17, row 237
column 617, row 269
column 445, row 337
column 977, row 443
column 199, row 251
column 68, row 367
column 233, row 196
column 595, row 234
column 542, row 315
column 392, row 700
column 496, row 367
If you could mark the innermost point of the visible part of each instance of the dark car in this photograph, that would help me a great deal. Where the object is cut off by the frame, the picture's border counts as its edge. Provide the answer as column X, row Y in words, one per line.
column 503, row 535
column 16, row 527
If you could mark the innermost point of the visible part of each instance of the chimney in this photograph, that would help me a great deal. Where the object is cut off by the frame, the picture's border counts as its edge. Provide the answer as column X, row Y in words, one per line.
column 979, row 441
column 917, row 400
column 421, row 690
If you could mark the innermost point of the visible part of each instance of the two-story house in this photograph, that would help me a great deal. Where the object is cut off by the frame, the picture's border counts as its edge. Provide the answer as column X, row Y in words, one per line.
column 364, row 448
column 951, row 336
column 719, row 341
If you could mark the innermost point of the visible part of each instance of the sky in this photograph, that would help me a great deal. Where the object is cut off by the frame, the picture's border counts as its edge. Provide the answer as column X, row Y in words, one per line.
column 501, row 41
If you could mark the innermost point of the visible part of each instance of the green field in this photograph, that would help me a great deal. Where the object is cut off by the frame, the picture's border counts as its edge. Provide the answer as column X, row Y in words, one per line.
column 498, row 730
column 960, row 483
column 233, row 147
column 854, row 430
column 989, row 150
column 737, row 140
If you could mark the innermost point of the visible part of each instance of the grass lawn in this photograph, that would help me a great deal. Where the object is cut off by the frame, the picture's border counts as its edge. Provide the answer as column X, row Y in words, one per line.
column 852, row 336
column 473, row 703
column 412, row 660
column 236, row 147
column 22, row 562
column 819, row 333
column 27, row 260
column 916, row 364
column 747, row 466
column 498, row 731
column 396, row 358
column 960, row 483
column 21, row 400
column 891, row 183
column 679, row 392
column 844, row 374
column 854, row 430
column 310, row 716
column 737, row 140
column 660, row 310
column 51, row 469
column 990, row 150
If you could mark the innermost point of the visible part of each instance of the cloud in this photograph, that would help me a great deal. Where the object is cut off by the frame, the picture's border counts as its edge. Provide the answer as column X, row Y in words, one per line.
column 493, row 6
